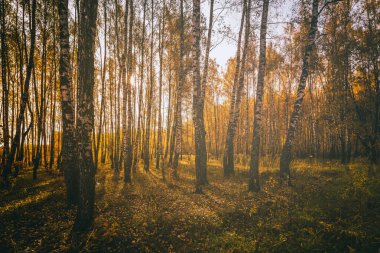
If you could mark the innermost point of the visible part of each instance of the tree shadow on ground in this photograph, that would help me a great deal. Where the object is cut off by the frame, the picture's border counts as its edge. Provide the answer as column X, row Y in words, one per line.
column 328, row 209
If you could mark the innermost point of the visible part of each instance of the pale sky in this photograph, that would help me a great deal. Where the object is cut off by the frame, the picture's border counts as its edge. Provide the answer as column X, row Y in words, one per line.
column 278, row 12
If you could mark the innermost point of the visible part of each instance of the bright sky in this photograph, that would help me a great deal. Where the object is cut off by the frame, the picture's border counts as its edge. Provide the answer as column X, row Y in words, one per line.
column 278, row 12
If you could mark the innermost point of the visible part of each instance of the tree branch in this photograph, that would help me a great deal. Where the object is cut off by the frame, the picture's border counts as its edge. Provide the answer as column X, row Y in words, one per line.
column 327, row 3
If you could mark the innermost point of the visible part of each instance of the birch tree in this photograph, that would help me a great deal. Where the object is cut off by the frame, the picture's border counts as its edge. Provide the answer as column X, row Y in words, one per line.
column 254, row 184
column 286, row 154
column 125, row 91
column 150, row 98
column 129, row 155
column 178, row 110
column 198, row 103
column 85, row 122
column 228, row 157
column 161, row 52
column 69, row 152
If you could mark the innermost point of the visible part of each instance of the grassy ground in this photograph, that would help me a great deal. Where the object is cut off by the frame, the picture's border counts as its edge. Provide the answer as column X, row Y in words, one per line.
column 330, row 208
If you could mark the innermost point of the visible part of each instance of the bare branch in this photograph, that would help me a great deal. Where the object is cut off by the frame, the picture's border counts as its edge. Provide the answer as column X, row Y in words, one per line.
column 327, row 3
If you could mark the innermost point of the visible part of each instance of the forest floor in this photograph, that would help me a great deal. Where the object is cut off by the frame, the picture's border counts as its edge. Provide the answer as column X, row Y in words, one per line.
column 329, row 208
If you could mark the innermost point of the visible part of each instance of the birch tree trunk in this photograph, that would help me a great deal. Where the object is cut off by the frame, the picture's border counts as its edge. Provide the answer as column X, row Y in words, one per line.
column 178, row 112
column 129, row 155
column 69, row 151
column 239, row 91
column 125, row 91
column 286, row 151
column 53, row 96
column 85, row 122
column 40, row 96
column 204, row 80
column 242, row 74
column 161, row 52
column 97, row 137
column 198, row 119
column 228, row 157
column 114, row 105
column 118, row 148
column 150, row 98
column 207, row 50
column 168, row 117
column 253, row 184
